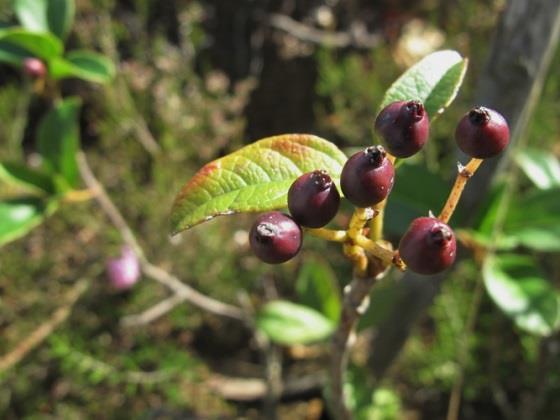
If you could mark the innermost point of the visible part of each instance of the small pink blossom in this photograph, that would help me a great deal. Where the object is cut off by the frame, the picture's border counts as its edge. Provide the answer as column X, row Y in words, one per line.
column 124, row 271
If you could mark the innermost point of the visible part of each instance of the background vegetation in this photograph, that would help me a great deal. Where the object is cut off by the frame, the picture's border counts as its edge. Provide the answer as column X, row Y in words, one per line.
column 196, row 80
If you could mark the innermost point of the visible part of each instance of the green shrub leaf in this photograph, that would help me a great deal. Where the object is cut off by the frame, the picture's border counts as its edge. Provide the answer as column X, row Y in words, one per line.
column 42, row 45
column 18, row 216
column 58, row 140
column 517, row 286
column 288, row 323
column 434, row 80
column 541, row 167
column 317, row 288
column 28, row 179
column 254, row 178
column 86, row 65
column 56, row 16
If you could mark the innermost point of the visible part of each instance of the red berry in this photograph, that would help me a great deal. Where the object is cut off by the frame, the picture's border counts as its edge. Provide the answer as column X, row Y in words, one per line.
column 404, row 127
column 275, row 237
column 428, row 246
column 313, row 199
column 34, row 67
column 367, row 177
column 482, row 133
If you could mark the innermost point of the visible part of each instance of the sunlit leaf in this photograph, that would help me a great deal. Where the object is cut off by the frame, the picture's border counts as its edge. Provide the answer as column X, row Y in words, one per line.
column 517, row 286
column 434, row 80
column 542, row 168
column 86, row 65
column 288, row 323
column 254, row 178
column 54, row 16
column 41, row 45
column 19, row 216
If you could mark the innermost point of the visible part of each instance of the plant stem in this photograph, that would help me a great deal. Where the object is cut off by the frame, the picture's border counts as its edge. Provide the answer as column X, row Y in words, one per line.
column 463, row 175
column 384, row 254
column 328, row 234
column 355, row 303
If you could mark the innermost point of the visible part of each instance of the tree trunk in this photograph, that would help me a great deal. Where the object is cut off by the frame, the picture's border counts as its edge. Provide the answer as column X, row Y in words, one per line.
column 512, row 82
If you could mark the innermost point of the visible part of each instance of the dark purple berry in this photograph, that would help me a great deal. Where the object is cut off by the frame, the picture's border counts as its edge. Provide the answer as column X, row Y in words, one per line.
column 313, row 199
column 367, row 177
column 34, row 68
column 275, row 237
column 404, row 127
column 482, row 133
column 428, row 246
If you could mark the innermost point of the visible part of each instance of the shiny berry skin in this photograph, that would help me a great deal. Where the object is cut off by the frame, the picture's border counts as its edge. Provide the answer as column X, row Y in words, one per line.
column 34, row 68
column 482, row 133
column 428, row 246
column 275, row 237
column 367, row 177
column 404, row 126
column 313, row 199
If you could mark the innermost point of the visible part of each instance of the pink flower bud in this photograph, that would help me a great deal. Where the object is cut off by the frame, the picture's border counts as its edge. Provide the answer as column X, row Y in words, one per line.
column 124, row 271
column 34, row 68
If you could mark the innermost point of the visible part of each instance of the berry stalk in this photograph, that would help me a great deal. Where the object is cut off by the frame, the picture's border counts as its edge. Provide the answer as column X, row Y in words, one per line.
column 328, row 234
column 463, row 175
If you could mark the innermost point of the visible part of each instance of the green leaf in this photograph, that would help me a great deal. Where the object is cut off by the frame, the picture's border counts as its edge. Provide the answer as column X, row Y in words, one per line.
column 32, row 14
column 58, row 140
column 407, row 201
column 54, row 16
column 60, row 15
column 42, row 45
column 517, row 286
column 288, row 323
column 541, row 167
column 536, row 208
column 317, row 288
column 19, row 216
column 254, row 178
column 29, row 179
column 86, row 65
column 12, row 54
column 434, row 80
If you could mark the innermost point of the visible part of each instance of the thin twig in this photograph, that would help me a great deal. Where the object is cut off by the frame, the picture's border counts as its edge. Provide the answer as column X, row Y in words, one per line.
column 355, row 303
column 157, row 273
column 464, row 173
column 154, row 312
column 44, row 330
column 357, row 37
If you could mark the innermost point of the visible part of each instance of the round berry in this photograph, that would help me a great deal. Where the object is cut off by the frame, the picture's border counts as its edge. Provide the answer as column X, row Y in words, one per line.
column 482, row 133
column 34, row 68
column 313, row 199
column 404, row 126
column 275, row 237
column 367, row 177
column 428, row 246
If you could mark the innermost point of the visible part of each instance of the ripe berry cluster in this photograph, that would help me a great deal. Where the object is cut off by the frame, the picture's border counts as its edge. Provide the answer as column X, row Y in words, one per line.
column 429, row 245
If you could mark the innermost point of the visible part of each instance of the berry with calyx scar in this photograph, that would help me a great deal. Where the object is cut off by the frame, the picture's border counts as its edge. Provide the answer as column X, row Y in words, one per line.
column 428, row 246
column 275, row 237
column 482, row 133
column 404, row 126
column 367, row 177
column 34, row 68
column 313, row 199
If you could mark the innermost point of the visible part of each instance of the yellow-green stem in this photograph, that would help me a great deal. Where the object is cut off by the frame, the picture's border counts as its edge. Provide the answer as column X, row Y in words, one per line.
column 463, row 175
